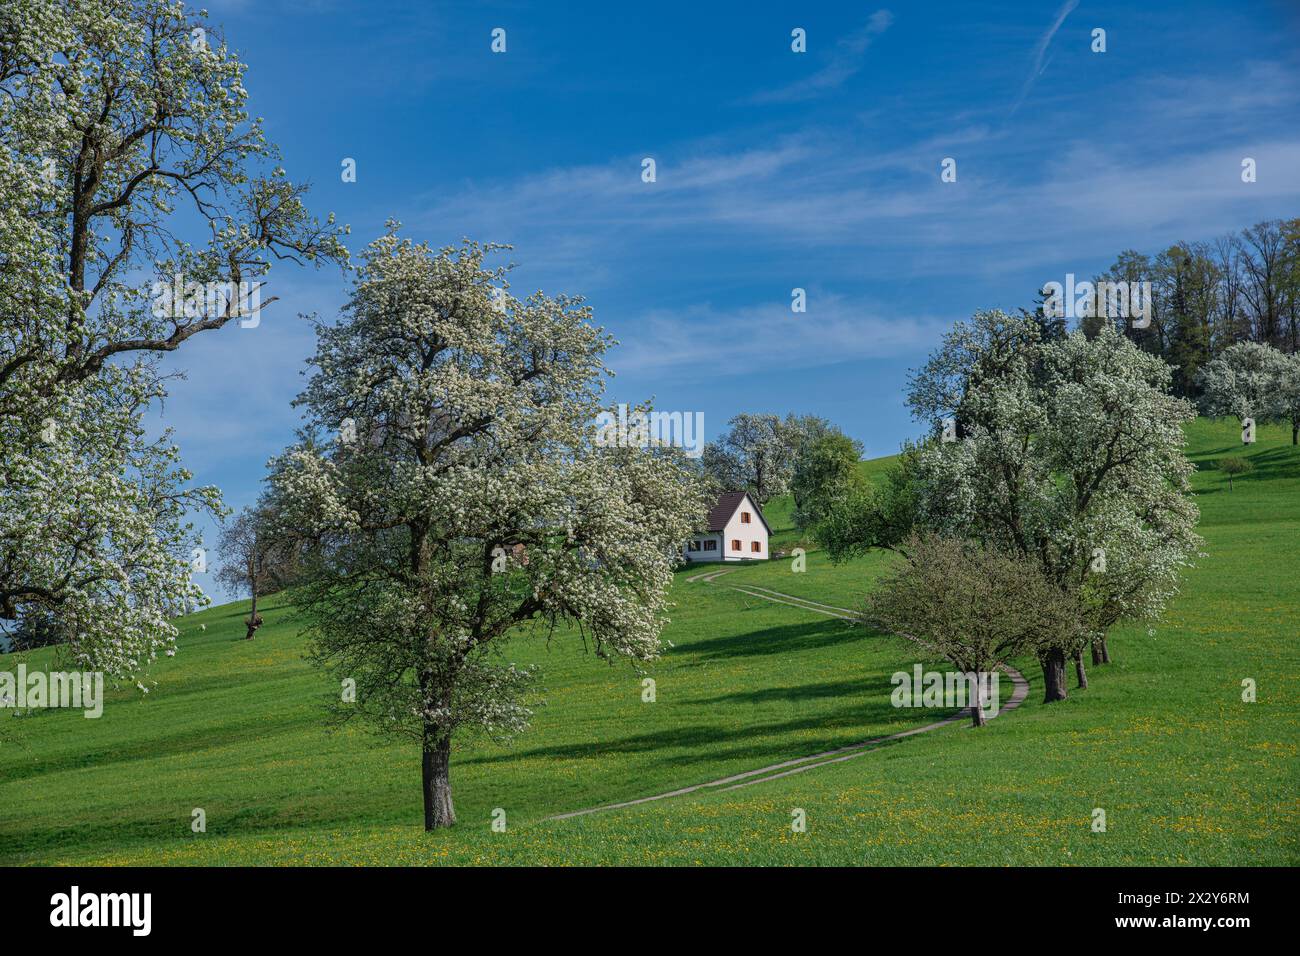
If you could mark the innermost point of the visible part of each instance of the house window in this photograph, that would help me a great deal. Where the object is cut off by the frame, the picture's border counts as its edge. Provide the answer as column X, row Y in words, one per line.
column 710, row 545
column 755, row 547
column 744, row 517
column 693, row 546
column 735, row 544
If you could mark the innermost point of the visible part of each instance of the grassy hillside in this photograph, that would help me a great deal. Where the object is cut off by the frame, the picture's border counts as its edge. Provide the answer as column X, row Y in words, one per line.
column 1185, row 771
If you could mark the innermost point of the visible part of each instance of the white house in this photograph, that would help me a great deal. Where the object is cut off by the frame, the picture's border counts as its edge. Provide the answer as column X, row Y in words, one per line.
column 736, row 531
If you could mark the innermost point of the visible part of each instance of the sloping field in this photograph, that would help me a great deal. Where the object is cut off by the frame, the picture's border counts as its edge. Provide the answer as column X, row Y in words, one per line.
column 1162, row 742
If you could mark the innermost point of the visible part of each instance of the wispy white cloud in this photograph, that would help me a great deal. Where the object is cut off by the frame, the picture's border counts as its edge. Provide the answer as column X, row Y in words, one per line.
column 809, row 187
column 835, row 328
column 1040, row 51
column 1233, row 105
column 843, row 61
column 878, row 214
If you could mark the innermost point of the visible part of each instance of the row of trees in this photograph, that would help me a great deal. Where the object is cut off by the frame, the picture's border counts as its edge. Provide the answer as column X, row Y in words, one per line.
column 1050, row 501
column 1208, row 296
column 1062, row 507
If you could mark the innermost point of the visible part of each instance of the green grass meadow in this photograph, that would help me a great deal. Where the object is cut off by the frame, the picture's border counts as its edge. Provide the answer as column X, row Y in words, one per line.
column 1186, row 772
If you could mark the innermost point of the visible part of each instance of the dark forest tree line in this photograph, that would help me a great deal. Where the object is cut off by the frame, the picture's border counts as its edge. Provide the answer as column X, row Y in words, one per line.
column 1209, row 295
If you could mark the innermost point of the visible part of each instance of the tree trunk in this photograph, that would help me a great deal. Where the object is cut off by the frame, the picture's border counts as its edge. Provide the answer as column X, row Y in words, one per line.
column 436, row 770
column 1053, row 662
column 1080, row 674
column 1105, row 650
column 1096, row 651
column 977, row 705
column 1295, row 432
column 253, row 622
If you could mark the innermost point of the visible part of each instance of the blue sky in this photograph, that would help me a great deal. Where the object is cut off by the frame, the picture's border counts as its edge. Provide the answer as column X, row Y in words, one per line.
column 775, row 170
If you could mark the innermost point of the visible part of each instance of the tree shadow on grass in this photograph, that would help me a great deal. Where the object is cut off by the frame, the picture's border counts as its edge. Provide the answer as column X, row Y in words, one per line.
column 1205, row 459
column 150, row 832
column 844, row 688
column 187, row 742
column 865, row 717
column 784, row 639
column 1273, row 463
column 1278, row 462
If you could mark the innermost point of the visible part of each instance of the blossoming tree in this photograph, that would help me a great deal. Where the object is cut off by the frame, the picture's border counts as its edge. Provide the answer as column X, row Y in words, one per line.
column 1256, row 381
column 466, row 497
column 120, row 121
column 1070, row 452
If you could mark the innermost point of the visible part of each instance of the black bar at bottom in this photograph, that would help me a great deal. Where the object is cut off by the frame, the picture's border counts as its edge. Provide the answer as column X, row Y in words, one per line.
column 335, row 906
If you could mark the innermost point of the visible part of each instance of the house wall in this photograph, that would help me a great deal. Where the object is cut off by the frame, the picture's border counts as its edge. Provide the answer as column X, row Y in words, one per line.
column 746, row 533
column 736, row 530
column 702, row 555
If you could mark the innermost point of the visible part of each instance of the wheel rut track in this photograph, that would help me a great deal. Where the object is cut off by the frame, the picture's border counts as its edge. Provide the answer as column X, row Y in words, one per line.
column 787, row 768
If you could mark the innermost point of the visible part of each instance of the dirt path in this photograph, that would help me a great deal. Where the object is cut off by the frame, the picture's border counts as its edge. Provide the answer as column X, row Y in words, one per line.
column 779, row 597
column 788, row 768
